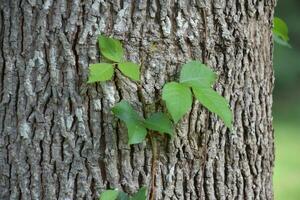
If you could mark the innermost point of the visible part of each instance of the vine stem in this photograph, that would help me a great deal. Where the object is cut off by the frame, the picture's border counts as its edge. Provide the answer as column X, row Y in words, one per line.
column 153, row 165
column 153, row 140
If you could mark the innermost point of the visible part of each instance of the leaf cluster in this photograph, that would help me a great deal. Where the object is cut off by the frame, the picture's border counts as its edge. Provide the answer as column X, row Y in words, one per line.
column 137, row 126
column 195, row 79
column 112, row 50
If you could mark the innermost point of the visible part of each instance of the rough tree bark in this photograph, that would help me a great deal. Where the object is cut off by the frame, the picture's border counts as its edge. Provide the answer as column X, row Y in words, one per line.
column 59, row 139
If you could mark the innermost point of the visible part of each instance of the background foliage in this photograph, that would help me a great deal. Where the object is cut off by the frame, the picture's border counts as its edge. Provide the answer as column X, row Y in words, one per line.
column 287, row 106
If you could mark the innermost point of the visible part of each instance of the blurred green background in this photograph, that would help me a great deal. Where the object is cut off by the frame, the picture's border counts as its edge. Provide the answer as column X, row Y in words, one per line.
column 286, row 107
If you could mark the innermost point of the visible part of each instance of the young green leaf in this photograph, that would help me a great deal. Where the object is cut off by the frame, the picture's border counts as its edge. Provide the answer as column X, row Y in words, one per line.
column 140, row 195
column 196, row 74
column 281, row 32
column 178, row 99
column 109, row 195
column 124, row 111
column 130, row 69
column 214, row 103
column 136, row 130
column 280, row 41
column 160, row 122
column 281, row 29
column 111, row 48
column 123, row 196
column 100, row 72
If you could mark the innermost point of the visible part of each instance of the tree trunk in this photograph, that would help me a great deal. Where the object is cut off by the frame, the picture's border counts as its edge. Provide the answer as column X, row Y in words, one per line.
column 59, row 139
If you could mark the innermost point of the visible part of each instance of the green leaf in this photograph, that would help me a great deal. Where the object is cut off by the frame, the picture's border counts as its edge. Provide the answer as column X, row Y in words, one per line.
column 136, row 130
column 140, row 195
column 178, row 99
column 160, row 122
column 123, row 196
column 197, row 74
column 214, row 103
column 100, row 72
column 111, row 48
column 130, row 69
column 280, row 29
column 124, row 111
column 280, row 41
column 109, row 195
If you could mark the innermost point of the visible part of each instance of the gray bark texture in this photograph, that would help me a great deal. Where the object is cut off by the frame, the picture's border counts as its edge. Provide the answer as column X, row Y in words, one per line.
column 58, row 137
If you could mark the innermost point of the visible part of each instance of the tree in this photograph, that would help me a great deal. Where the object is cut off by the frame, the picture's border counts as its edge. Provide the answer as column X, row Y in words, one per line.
column 59, row 138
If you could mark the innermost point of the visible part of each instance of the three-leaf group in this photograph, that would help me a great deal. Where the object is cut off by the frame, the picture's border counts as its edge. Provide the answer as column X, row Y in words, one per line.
column 112, row 50
column 119, row 195
column 137, row 126
column 198, row 79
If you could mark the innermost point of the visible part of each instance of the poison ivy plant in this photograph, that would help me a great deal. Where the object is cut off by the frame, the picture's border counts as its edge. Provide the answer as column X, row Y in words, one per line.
column 195, row 78
column 112, row 50
column 119, row 195
column 280, row 32
column 198, row 77
column 137, row 126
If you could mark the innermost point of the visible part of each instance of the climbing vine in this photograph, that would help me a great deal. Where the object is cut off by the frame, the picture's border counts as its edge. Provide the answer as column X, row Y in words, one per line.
column 196, row 80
